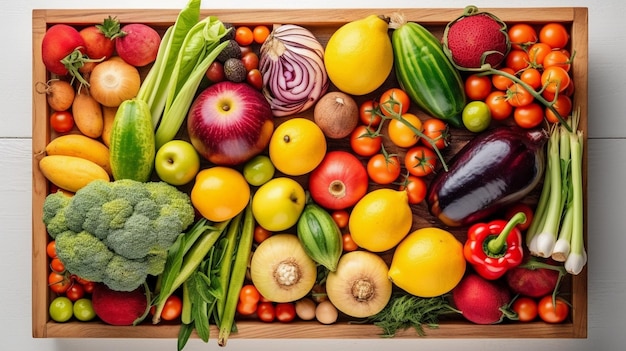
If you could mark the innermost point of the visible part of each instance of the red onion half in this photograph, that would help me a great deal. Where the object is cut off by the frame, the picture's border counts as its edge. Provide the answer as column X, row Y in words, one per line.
column 292, row 66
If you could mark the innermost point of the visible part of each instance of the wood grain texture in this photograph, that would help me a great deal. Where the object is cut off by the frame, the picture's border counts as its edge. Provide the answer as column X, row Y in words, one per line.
column 322, row 23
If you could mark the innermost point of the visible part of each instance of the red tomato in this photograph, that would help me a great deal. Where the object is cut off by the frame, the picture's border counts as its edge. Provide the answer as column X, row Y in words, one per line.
column 285, row 312
column 528, row 116
column 522, row 36
column 246, row 309
column 416, row 188
column 420, row 161
column 555, row 79
column 369, row 113
column 555, row 35
column 265, row 311
column 520, row 207
column 215, row 72
column 75, row 291
column 249, row 294
column 517, row 60
column 56, row 265
column 58, row 282
column 498, row 105
column 518, row 96
column 401, row 134
column 563, row 105
column 244, row 36
column 61, row 121
column 477, row 87
column 260, row 33
column 250, row 60
column 364, row 141
column 557, row 58
column 348, row 242
column 394, row 101
column 551, row 312
column 51, row 249
column 383, row 169
column 97, row 45
column 260, row 234
column 341, row 217
column 501, row 82
column 537, row 52
column 88, row 286
column 526, row 308
column 438, row 131
column 255, row 78
column 532, row 77
column 172, row 309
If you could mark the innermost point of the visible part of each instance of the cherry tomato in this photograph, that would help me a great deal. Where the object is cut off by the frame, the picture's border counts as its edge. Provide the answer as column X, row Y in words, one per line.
column 51, row 249
column 526, row 308
column 394, row 101
column 436, row 130
column 369, row 113
column 88, row 286
column 551, row 312
column 517, row 60
column 383, row 169
column 518, row 96
column 341, row 217
column 557, row 58
column 75, row 291
column 255, row 78
column 249, row 294
column 501, row 82
column 244, row 36
column 61, row 121
column 520, row 207
column 246, row 309
column 56, row 265
column 416, row 188
column 363, row 141
column 285, row 312
column 477, row 87
column 563, row 105
column 555, row 79
column 348, row 242
column 532, row 77
column 250, row 60
column 555, row 35
column 215, row 72
column 537, row 52
column 260, row 234
column 498, row 105
column 420, row 161
column 266, row 312
column 172, row 309
column 522, row 36
column 260, row 33
column 528, row 116
column 401, row 134
column 58, row 282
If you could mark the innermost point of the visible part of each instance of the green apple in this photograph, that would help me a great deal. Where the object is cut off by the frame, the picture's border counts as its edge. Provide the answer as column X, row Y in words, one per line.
column 278, row 204
column 259, row 170
column 177, row 162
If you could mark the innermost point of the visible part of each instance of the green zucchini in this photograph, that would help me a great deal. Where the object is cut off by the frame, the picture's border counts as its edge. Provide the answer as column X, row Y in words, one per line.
column 426, row 74
column 320, row 236
column 132, row 147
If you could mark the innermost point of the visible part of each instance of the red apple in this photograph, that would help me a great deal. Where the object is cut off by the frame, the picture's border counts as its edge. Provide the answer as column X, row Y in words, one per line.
column 229, row 123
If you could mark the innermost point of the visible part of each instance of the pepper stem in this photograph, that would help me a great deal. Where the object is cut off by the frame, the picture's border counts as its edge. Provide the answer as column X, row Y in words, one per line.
column 496, row 245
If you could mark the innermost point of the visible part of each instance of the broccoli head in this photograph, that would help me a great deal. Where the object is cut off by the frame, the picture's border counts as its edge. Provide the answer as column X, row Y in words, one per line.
column 117, row 232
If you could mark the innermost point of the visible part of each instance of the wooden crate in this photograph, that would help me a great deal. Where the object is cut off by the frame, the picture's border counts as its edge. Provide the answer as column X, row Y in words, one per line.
column 322, row 23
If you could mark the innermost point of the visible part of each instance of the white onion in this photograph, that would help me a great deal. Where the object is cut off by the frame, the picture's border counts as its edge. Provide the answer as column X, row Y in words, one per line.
column 292, row 66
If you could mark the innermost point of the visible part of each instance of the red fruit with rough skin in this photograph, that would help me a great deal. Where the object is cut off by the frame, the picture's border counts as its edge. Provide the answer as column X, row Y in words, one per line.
column 475, row 39
column 118, row 307
column 530, row 282
column 481, row 301
column 139, row 45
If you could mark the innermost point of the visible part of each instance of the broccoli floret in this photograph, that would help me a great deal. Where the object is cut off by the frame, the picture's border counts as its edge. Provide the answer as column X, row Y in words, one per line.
column 117, row 232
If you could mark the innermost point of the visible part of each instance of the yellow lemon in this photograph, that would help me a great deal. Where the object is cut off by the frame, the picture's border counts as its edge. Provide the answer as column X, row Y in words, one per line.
column 428, row 262
column 381, row 219
column 358, row 56
column 297, row 146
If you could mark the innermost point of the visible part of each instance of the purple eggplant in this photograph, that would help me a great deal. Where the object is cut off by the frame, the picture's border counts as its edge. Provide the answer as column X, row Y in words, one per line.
column 496, row 168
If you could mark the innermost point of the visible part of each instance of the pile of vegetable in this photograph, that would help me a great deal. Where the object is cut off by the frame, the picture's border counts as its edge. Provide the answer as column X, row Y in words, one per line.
column 349, row 203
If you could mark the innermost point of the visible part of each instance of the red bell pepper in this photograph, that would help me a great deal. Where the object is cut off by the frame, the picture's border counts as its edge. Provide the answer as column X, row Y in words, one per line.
column 492, row 248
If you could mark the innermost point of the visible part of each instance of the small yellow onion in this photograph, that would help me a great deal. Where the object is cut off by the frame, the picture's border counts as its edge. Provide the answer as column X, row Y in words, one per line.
column 359, row 287
column 281, row 270
column 113, row 81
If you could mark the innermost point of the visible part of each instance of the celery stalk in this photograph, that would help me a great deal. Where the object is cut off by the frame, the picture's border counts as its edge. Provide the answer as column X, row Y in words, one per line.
column 577, row 257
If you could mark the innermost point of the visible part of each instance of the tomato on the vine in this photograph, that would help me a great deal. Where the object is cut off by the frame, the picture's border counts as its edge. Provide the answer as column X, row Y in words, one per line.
column 557, row 58
column 528, row 116
column 75, row 291
column 285, row 312
column 517, row 60
column 477, row 86
column 555, row 79
column 537, row 52
column 383, row 169
column 501, row 82
column 416, row 188
column 555, row 35
column 420, row 161
column 401, row 134
column 498, row 105
column 364, row 142
column 394, row 101
column 437, row 131
column 553, row 311
column 532, row 77
column 563, row 105
column 266, row 312
column 341, row 218
column 369, row 113
column 58, row 282
column 61, row 121
column 522, row 36
column 526, row 308
column 348, row 242
column 518, row 96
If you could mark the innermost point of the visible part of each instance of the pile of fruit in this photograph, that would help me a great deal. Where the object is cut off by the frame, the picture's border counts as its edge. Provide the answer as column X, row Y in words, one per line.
column 384, row 175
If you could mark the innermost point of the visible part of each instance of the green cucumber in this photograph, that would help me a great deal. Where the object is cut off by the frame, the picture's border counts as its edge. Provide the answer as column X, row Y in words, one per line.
column 426, row 74
column 132, row 147
column 320, row 236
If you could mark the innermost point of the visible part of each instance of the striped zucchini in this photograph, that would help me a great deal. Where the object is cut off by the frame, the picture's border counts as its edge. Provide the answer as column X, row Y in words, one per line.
column 132, row 147
column 426, row 74
column 320, row 236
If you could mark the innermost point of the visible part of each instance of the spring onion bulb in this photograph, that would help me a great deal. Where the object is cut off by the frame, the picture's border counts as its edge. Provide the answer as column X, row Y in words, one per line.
column 292, row 65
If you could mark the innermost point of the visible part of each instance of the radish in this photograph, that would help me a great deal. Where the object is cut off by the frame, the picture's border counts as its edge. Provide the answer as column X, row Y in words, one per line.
column 534, row 278
column 138, row 44
column 119, row 307
column 483, row 301
column 62, row 51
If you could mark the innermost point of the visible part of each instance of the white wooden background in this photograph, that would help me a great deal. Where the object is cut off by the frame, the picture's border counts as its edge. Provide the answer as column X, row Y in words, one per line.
column 607, row 193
